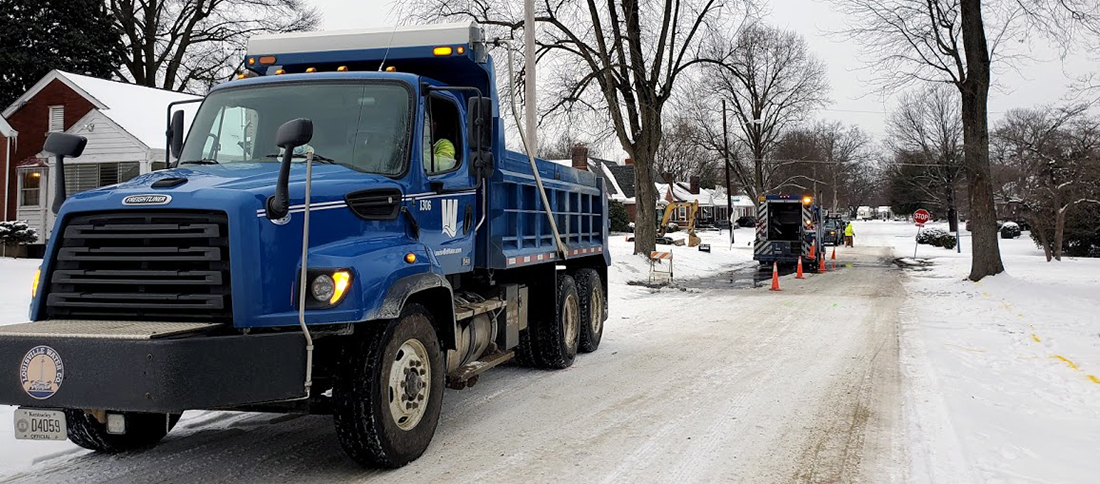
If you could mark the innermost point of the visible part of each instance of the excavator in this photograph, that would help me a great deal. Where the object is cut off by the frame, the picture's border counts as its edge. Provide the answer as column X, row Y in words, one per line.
column 693, row 210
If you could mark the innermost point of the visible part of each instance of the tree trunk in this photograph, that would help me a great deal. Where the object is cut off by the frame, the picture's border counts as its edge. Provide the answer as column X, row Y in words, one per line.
column 1042, row 239
column 1059, row 232
column 952, row 211
column 986, row 260
column 645, row 219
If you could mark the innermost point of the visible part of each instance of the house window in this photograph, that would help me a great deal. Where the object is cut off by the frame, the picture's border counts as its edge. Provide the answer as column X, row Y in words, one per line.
column 89, row 176
column 57, row 119
column 30, row 183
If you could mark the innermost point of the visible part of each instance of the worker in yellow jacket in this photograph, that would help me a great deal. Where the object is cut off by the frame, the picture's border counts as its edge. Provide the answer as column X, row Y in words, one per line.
column 848, row 233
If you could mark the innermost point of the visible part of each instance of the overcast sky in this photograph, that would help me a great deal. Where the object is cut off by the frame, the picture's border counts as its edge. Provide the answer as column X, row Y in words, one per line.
column 1041, row 82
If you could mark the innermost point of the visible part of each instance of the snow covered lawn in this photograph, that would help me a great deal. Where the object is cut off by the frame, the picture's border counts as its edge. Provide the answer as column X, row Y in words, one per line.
column 1002, row 376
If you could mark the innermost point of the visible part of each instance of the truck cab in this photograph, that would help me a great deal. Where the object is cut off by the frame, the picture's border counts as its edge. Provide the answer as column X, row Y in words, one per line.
column 342, row 232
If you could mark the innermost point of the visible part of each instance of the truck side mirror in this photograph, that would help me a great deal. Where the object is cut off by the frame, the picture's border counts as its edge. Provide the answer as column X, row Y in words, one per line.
column 479, row 134
column 175, row 134
column 291, row 134
column 62, row 145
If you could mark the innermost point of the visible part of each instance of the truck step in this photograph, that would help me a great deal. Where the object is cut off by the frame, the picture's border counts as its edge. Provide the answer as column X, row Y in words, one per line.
column 471, row 309
column 130, row 330
column 467, row 375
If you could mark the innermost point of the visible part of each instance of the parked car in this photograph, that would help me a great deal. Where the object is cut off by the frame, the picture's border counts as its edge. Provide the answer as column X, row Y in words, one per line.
column 746, row 221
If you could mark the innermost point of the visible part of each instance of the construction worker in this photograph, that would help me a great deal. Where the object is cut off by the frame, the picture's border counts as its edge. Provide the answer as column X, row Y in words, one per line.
column 848, row 233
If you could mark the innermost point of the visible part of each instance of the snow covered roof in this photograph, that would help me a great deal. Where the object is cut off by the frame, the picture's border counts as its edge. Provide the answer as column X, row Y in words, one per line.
column 706, row 196
column 139, row 110
column 6, row 130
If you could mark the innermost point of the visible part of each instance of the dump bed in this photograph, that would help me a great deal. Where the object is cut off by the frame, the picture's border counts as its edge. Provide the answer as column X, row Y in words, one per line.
column 519, row 232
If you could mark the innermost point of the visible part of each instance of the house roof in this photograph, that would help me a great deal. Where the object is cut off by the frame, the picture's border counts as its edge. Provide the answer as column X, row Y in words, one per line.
column 139, row 110
column 6, row 130
column 617, row 186
column 623, row 176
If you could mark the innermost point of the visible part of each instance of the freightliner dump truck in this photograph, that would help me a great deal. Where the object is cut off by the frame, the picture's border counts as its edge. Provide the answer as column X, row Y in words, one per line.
column 343, row 233
column 786, row 227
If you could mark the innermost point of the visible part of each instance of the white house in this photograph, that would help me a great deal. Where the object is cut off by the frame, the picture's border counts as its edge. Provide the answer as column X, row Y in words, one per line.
column 125, row 125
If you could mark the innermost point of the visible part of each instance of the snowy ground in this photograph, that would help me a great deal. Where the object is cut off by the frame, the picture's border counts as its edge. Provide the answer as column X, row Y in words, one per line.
column 1003, row 376
column 863, row 374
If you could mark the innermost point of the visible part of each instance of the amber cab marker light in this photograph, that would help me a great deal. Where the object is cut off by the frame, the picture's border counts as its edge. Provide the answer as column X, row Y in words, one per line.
column 311, row 69
column 342, row 69
column 391, row 69
column 279, row 72
column 442, row 50
column 461, row 50
column 410, row 258
column 251, row 61
column 241, row 76
column 267, row 59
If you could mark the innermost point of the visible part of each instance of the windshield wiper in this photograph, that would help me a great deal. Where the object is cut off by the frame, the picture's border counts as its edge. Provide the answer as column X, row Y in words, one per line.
column 204, row 161
column 316, row 157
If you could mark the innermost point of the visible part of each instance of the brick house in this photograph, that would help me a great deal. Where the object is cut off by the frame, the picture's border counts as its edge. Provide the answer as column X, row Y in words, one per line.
column 124, row 124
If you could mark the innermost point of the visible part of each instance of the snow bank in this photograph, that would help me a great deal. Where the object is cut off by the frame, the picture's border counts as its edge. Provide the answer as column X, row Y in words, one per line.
column 1003, row 375
column 687, row 262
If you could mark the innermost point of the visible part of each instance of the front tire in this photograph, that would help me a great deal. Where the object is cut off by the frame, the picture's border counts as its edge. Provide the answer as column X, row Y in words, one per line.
column 388, row 391
column 143, row 430
column 593, row 309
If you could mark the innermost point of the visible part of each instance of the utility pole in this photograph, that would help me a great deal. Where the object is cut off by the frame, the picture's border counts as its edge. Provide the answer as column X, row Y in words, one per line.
column 529, row 80
column 726, row 155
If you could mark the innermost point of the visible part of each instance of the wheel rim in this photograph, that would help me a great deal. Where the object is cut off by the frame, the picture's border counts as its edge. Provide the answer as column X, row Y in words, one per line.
column 410, row 384
column 570, row 320
column 595, row 312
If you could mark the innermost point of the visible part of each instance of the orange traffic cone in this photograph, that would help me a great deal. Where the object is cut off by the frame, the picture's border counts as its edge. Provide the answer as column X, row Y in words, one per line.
column 775, row 276
column 821, row 265
column 813, row 247
column 799, row 275
column 833, row 257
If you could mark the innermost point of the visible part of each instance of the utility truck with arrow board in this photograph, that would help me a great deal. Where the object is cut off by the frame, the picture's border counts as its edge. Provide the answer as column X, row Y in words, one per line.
column 343, row 233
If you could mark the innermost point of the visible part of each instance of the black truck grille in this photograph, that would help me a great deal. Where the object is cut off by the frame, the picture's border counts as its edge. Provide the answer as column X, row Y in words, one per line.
column 142, row 265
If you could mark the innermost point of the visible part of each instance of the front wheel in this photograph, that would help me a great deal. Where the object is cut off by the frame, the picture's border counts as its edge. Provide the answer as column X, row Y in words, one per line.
column 388, row 391
column 142, row 431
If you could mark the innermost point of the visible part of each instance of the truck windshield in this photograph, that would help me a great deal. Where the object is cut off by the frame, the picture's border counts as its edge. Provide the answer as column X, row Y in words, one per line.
column 362, row 126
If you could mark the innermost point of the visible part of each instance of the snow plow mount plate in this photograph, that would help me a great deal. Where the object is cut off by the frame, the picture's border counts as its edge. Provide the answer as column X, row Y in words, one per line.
column 130, row 330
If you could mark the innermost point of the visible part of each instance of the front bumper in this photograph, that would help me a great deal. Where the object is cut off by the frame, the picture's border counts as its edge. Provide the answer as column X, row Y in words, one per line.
column 145, row 370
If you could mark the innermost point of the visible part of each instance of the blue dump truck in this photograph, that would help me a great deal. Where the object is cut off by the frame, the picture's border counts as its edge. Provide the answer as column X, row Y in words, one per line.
column 786, row 227
column 343, row 233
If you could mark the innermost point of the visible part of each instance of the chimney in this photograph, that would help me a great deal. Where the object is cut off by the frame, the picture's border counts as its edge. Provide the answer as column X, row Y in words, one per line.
column 668, row 178
column 580, row 157
column 694, row 185
column 629, row 162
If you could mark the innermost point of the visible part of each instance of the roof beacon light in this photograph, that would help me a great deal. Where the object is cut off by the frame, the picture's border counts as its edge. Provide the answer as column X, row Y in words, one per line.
column 806, row 200
column 442, row 50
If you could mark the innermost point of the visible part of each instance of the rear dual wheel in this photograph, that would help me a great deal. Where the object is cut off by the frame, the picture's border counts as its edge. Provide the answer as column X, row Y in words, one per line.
column 593, row 307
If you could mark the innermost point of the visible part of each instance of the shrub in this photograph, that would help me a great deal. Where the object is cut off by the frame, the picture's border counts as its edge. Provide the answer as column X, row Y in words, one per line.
column 16, row 232
column 937, row 238
column 618, row 217
column 1010, row 230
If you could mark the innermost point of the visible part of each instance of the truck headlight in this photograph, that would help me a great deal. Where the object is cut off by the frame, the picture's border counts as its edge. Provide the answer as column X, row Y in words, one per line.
column 329, row 289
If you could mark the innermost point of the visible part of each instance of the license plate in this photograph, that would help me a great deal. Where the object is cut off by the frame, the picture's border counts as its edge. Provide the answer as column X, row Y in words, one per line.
column 38, row 424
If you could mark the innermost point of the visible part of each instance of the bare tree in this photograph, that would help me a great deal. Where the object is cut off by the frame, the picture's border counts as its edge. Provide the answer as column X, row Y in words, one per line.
column 682, row 157
column 824, row 159
column 950, row 41
column 772, row 82
column 619, row 59
column 1054, row 158
column 188, row 45
column 927, row 125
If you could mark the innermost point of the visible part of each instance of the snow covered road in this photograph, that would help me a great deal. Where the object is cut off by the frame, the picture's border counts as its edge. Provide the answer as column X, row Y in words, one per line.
column 695, row 385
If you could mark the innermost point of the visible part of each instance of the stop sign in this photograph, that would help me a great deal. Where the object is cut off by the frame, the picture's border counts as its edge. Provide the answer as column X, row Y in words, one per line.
column 921, row 216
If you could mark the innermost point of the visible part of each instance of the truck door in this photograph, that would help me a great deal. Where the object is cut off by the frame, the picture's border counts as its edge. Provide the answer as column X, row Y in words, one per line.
column 447, row 201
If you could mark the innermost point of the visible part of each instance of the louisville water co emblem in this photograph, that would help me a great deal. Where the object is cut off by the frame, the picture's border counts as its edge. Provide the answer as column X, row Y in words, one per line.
column 41, row 372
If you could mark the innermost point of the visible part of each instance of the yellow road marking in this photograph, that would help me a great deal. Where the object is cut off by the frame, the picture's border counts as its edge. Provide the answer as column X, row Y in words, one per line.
column 1036, row 338
column 1067, row 360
